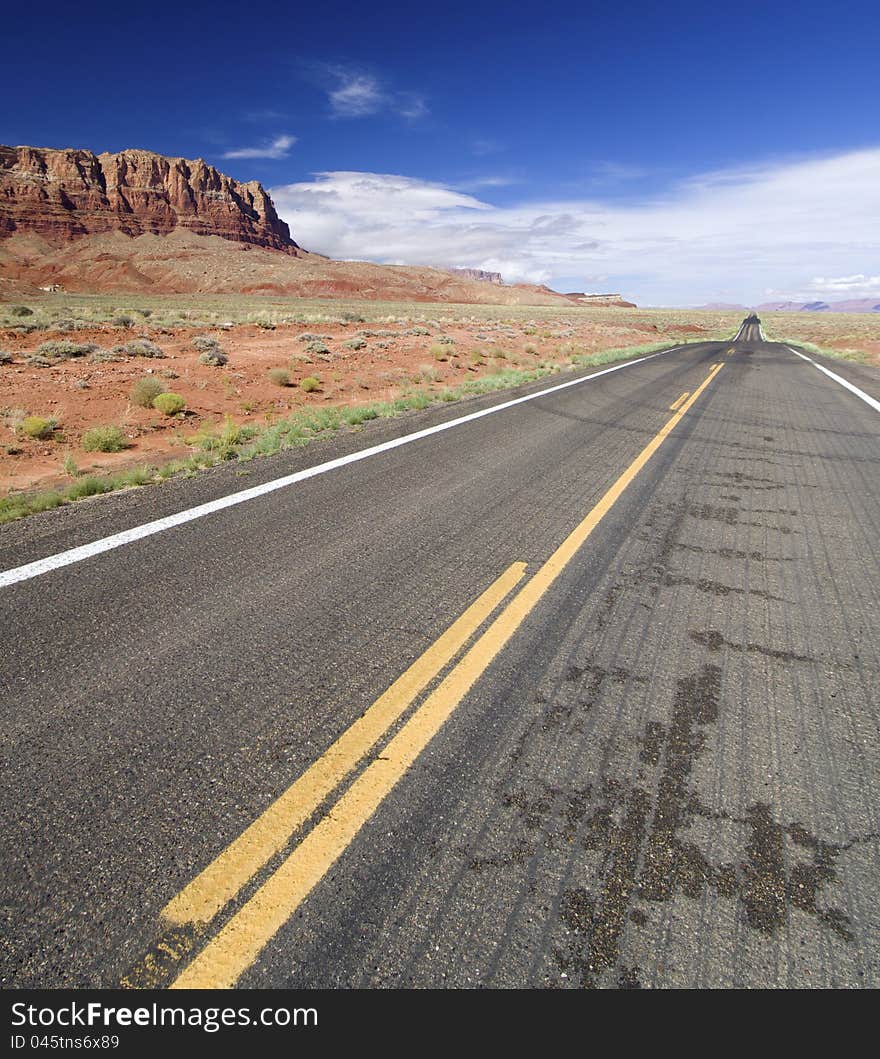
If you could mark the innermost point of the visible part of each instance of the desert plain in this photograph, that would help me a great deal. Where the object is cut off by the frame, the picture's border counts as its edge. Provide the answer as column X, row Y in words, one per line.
column 289, row 370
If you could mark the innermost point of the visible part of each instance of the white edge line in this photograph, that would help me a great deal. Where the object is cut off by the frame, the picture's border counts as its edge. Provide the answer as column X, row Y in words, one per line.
column 838, row 378
column 147, row 529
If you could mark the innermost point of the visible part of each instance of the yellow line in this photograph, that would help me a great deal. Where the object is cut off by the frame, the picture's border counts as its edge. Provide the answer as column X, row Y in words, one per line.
column 241, row 940
column 680, row 401
column 221, row 880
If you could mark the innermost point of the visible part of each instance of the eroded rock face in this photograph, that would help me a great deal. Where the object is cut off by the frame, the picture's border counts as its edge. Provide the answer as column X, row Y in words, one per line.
column 65, row 194
column 477, row 274
column 601, row 301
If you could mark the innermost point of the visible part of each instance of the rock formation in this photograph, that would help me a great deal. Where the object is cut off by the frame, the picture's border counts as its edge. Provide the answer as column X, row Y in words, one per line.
column 72, row 220
column 66, row 194
column 478, row 275
column 615, row 301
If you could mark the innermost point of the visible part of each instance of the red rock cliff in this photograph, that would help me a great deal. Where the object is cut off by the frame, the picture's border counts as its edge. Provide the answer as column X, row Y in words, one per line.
column 70, row 193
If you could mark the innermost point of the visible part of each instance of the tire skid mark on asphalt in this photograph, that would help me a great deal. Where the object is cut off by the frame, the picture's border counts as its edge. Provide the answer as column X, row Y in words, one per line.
column 649, row 856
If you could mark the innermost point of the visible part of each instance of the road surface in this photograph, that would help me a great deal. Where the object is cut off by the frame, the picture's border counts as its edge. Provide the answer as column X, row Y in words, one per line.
column 581, row 692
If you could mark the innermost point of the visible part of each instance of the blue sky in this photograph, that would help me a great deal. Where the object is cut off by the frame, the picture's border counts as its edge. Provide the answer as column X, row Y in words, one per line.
column 677, row 152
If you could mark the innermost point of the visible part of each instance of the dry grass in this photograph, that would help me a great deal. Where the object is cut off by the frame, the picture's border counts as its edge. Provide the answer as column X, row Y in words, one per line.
column 853, row 336
column 83, row 311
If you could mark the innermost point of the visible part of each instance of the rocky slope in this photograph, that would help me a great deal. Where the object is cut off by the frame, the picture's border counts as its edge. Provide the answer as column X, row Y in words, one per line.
column 184, row 263
column 63, row 195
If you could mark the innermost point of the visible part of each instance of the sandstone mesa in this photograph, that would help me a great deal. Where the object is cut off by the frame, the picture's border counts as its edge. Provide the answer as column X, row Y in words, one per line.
column 139, row 222
column 72, row 193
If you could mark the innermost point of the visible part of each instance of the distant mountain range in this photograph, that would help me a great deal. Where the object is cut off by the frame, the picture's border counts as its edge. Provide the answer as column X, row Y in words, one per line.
column 853, row 305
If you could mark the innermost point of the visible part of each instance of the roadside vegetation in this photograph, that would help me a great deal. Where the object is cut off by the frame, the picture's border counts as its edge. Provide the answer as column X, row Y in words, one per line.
column 835, row 334
column 841, row 336
column 145, row 391
column 37, row 427
column 245, row 443
column 322, row 388
column 66, row 312
column 860, row 356
column 169, row 404
column 104, row 439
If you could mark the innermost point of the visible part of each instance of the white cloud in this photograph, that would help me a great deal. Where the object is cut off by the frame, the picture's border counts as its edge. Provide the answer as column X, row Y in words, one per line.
column 615, row 172
column 357, row 94
column 277, row 148
column 411, row 106
column 485, row 182
column 744, row 234
column 859, row 286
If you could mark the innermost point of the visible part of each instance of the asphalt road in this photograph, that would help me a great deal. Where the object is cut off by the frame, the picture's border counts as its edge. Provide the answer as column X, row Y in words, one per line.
column 653, row 759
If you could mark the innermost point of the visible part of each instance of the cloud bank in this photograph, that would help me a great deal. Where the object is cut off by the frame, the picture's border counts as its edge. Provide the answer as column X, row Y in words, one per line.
column 860, row 286
column 745, row 234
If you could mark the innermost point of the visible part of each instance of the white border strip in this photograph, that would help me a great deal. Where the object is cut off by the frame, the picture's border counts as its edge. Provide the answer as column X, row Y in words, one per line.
column 838, row 378
column 116, row 540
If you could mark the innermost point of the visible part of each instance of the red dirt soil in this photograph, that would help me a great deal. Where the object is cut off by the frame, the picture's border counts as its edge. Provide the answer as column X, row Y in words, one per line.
column 80, row 394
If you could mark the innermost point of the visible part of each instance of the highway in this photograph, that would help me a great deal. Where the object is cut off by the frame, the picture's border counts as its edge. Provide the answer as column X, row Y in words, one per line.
column 579, row 692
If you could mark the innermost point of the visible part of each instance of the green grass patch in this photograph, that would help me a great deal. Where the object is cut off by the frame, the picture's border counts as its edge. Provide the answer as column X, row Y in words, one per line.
column 608, row 356
column 145, row 391
column 104, row 439
column 38, row 427
column 90, row 486
column 856, row 355
column 279, row 377
column 224, row 444
column 355, row 416
column 169, row 404
column 69, row 466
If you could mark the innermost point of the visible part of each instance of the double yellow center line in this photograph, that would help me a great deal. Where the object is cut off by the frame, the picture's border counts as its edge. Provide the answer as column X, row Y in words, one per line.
column 239, row 941
column 218, row 884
